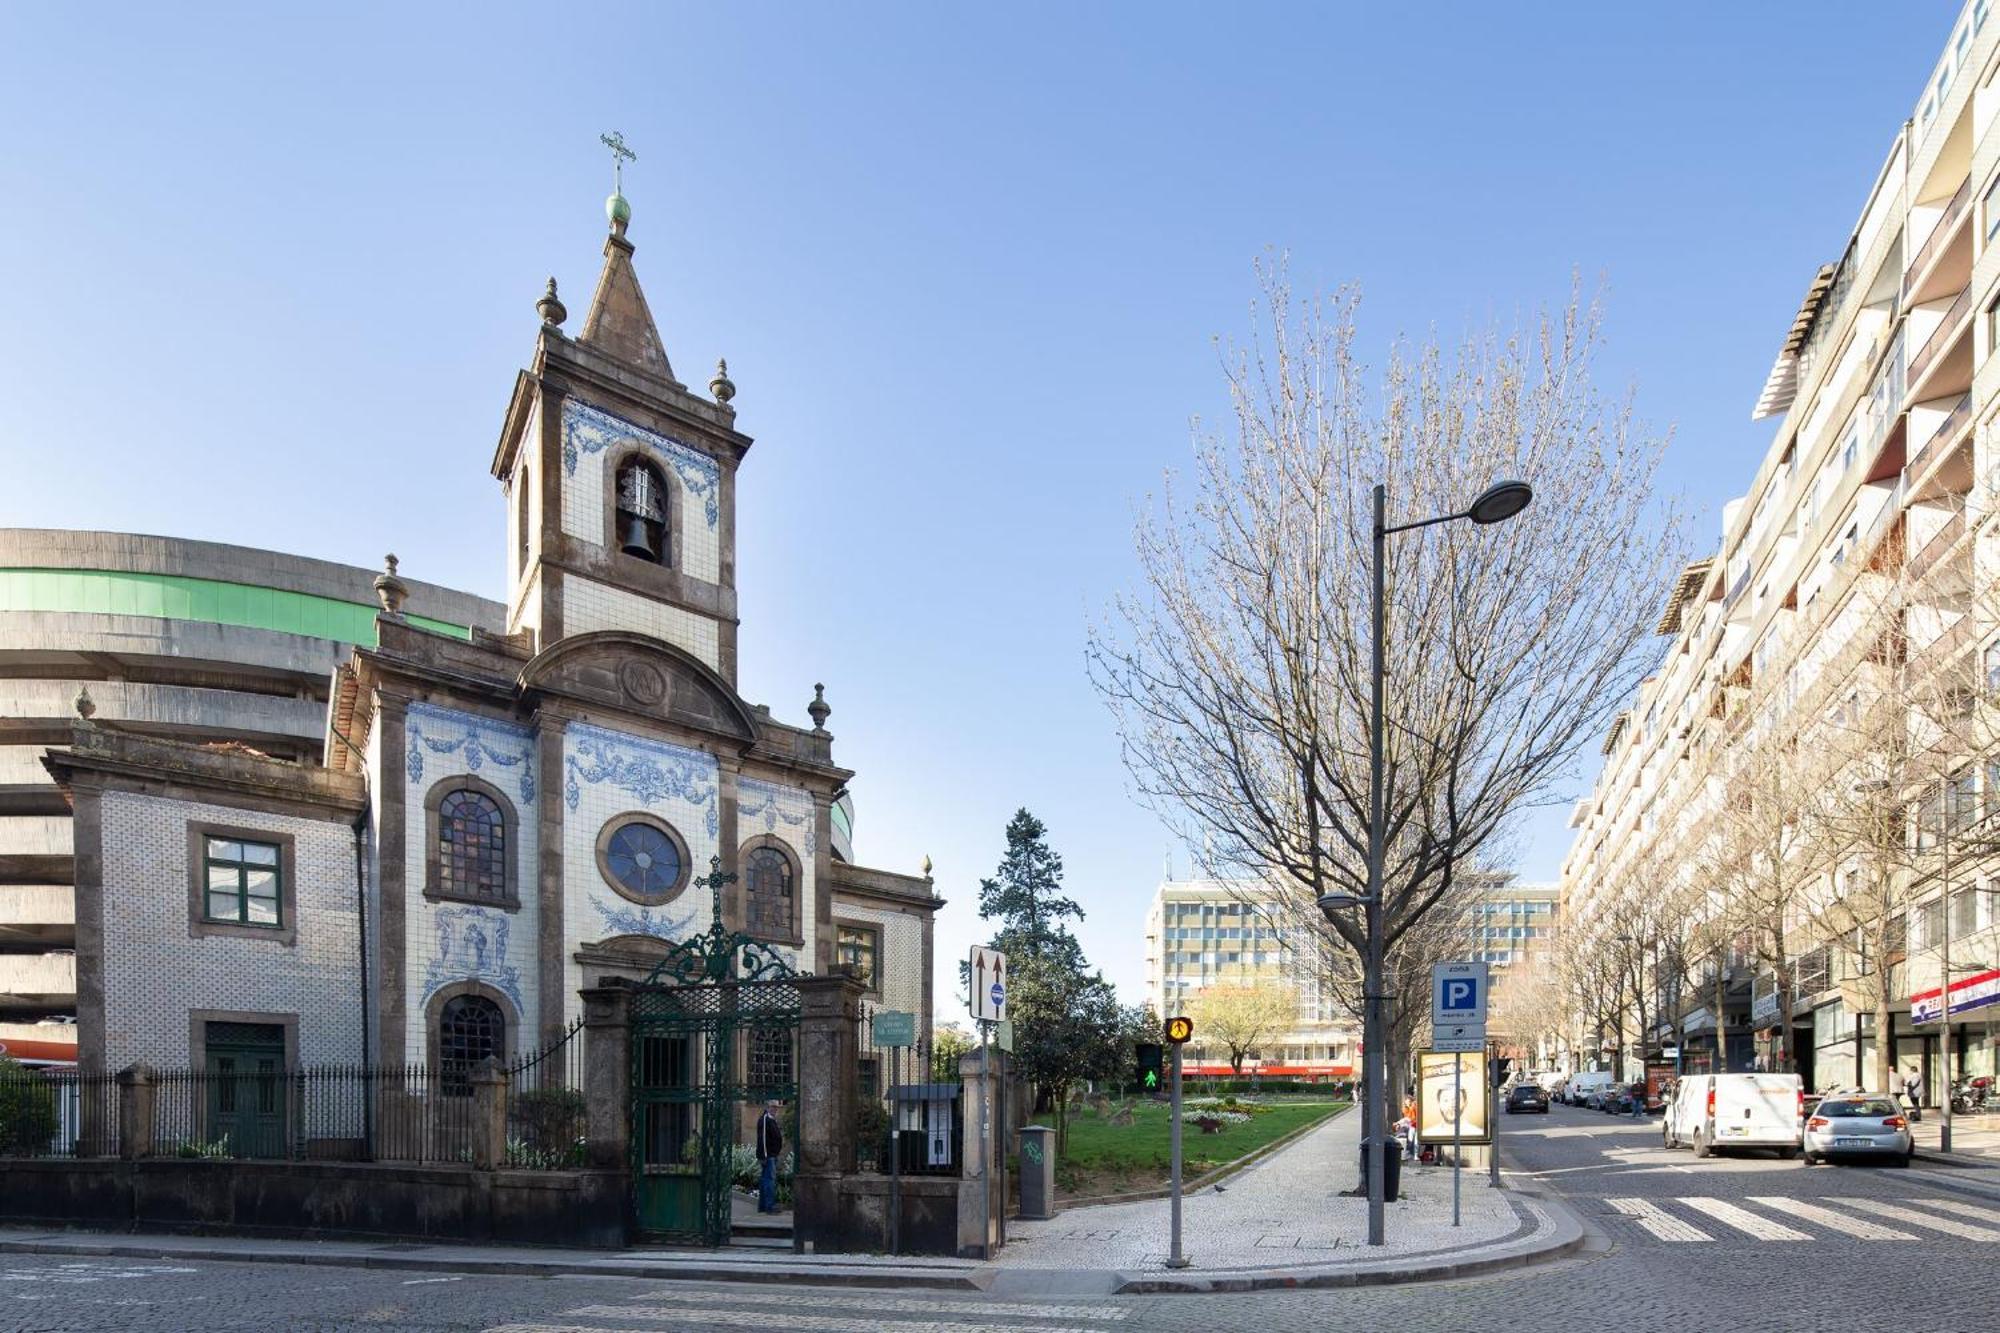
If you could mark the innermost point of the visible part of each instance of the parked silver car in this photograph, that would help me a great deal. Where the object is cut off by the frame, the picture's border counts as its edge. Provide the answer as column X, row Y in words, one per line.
column 1858, row 1125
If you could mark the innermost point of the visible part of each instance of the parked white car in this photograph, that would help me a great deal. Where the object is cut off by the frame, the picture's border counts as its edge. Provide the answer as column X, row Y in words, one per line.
column 1583, row 1083
column 1714, row 1111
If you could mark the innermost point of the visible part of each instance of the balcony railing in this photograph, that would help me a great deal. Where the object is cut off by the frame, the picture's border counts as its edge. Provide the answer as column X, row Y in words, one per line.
column 1941, row 336
column 1937, row 547
column 1945, row 435
column 1940, row 234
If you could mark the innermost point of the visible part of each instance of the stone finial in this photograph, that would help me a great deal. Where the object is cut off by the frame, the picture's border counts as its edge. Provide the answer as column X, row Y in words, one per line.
column 86, row 707
column 391, row 591
column 722, row 387
column 818, row 710
column 927, row 865
column 551, row 308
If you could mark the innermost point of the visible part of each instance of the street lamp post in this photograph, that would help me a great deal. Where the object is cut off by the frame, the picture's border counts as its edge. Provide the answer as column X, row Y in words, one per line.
column 1496, row 504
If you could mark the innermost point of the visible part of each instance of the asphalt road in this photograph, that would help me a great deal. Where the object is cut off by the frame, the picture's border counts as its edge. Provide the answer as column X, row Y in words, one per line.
column 1736, row 1244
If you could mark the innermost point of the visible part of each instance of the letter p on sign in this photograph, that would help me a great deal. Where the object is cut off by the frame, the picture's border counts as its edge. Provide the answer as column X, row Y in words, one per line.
column 1460, row 994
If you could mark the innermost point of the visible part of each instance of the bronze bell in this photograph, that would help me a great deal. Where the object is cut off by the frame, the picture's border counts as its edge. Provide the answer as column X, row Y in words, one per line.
column 635, row 536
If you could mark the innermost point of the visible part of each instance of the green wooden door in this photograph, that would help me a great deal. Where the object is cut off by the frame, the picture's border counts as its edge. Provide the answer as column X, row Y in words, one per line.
column 246, row 1089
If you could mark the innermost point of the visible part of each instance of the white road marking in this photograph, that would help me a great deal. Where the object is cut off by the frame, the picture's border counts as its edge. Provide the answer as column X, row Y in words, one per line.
column 777, row 1321
column 1661, row 1223
column 89, row 1272
column 1950, row 1226
column 1744, row 1220
column 900, row 1304
column 1984, row 1214
column 426, row 1281
column 1847, row 1225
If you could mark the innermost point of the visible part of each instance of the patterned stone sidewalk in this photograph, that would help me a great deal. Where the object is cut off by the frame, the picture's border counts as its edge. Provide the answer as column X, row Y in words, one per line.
column 1286, row 1211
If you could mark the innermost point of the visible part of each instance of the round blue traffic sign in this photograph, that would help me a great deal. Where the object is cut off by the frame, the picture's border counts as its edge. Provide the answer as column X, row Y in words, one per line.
column 999, row 994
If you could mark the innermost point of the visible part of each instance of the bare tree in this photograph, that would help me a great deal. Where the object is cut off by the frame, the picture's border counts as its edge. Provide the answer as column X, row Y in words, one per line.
column 1240, row 1016
column 1239, row 673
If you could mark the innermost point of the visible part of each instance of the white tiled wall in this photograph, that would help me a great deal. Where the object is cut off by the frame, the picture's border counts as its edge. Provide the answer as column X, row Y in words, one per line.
column 606, row 774
column 449, row 942
column 589, row 436
column 154, row 974
column 901, row 961
column 589, row 605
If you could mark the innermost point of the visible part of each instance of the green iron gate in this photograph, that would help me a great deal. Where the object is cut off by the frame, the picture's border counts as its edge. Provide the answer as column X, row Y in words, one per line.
column 714, row 1028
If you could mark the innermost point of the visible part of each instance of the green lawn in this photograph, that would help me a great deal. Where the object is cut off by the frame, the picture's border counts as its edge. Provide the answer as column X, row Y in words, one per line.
column 1105, row 1158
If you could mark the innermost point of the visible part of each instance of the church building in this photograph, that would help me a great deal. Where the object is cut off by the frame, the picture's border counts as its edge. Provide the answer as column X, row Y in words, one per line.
column 504, row 819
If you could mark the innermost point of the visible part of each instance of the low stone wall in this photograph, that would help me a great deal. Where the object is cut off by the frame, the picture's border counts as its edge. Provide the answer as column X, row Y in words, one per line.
column 324, row 1199
column 940, row 1216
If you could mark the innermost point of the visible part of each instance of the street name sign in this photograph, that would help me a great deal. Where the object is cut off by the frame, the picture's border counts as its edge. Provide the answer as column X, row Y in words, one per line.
column 989, row 984
column 894, row 1028
column 1003, row 1035
column 1458, row 993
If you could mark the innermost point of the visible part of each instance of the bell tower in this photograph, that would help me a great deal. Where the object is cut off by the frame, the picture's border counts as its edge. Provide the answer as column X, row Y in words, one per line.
column 620, row 482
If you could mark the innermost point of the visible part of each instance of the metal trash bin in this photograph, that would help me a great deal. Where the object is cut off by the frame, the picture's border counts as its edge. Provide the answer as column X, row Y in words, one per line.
column 1038, row 1172
column 1392, row 1168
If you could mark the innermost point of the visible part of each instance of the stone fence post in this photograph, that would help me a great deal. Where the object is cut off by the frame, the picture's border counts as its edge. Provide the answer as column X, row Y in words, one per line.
column 489, row 1115
column 135, row 1111
column 829, row 1032
column 607, row 1074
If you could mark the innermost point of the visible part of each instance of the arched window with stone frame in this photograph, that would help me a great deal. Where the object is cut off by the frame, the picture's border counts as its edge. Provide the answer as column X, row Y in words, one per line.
column 643, row 511
column 471, row 828
column 772, row 886
column 469, row 1025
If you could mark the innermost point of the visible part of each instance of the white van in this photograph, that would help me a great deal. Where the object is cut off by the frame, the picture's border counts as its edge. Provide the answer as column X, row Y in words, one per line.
column 1711, row 1111
column 1584, row 1082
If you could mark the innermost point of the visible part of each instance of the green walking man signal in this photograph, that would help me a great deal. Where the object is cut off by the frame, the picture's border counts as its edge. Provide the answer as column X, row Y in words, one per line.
column 1151, row 1063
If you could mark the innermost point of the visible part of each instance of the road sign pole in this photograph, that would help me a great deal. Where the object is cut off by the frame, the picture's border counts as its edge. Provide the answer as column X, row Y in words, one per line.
column 986, row 1136
column 1175, row 1259
column 1493, row 1116
column 895, row 1154
column 1457, row 1125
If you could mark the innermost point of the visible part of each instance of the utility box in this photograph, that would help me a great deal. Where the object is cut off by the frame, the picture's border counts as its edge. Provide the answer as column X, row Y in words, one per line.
column 1038, row 1172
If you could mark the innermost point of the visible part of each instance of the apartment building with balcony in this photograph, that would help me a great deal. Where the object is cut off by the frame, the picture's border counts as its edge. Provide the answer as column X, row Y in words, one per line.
column 1858, row 559
column 1206, row 932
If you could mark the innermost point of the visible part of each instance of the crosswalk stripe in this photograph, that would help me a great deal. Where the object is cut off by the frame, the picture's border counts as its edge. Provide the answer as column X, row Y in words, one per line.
column 900, row 1304
column 1843, row 1224
column 694, row 1312
column 1984, row 1214
column 1660, row 1223
column 1950, row 1226
column 1763, row 1228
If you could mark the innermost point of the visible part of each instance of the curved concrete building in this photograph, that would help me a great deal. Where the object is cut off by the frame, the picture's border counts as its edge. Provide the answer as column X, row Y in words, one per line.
column 185, row 639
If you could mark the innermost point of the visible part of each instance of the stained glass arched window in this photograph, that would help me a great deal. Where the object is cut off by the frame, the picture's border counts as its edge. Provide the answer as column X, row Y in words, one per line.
column 472, row 846
column 770, row 893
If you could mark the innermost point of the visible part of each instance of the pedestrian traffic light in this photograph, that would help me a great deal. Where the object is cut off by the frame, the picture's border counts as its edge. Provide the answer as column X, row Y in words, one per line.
column 1151, row 1060
column 1179, row 1029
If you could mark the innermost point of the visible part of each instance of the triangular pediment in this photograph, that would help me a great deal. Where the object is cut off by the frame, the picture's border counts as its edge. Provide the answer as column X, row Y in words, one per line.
column 636, row 674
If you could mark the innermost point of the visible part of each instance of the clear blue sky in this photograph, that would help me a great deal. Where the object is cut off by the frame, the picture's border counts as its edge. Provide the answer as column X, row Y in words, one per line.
column 270, row 271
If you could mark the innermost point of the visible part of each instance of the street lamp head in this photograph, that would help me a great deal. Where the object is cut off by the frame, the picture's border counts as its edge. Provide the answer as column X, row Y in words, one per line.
column 1330, row 903
column 1500, row 502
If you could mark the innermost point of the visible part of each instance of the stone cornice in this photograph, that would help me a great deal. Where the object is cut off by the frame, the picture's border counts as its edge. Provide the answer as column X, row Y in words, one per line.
column 110, row 760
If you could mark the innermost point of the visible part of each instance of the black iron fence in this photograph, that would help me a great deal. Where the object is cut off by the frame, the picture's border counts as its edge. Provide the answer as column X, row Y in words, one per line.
column 260, row 1110
column 545, row 1108
column 57, row 1112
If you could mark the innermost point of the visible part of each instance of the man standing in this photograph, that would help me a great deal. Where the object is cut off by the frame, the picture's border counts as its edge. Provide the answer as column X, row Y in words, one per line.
column 1912, row 1086
column 770, row 1146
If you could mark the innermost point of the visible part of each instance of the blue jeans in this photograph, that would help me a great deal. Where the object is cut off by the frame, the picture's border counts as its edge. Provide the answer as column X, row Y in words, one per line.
column 767, row 1185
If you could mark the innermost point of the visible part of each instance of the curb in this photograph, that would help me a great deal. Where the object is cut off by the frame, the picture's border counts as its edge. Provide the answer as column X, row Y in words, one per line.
column 1221, row 1173
column 813, row 1275
column 1565, row 1237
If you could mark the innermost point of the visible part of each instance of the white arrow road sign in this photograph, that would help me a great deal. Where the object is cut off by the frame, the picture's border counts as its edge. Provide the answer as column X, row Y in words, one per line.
column 989, row 984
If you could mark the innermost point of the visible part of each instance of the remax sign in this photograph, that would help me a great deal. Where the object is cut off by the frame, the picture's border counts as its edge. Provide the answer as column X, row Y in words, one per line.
column 1458, row 993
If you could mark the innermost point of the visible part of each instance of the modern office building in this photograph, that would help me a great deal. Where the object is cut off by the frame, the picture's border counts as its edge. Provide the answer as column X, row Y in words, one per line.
column 1854, row 571
column 1206, row 932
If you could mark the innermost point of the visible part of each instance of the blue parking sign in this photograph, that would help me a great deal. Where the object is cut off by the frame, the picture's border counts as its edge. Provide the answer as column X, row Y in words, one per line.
column 1458, row 992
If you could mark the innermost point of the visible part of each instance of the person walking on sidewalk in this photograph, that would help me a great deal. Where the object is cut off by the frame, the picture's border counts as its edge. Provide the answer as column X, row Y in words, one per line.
column 1913, row 1086
column 770, row 1146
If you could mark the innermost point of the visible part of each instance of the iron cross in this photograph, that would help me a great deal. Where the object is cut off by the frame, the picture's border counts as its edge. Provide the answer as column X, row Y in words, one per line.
column 713, row 882
column 620, row 155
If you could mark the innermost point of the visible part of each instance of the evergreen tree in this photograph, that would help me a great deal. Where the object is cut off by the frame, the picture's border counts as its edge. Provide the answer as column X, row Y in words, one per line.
column 1025, row 897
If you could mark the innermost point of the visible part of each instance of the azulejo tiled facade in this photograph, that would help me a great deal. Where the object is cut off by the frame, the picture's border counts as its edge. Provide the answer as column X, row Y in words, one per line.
column 469, row 839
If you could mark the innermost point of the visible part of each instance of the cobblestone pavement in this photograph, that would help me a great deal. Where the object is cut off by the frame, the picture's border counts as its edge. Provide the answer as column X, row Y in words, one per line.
column 1738, row 1244
column 1284, row 1211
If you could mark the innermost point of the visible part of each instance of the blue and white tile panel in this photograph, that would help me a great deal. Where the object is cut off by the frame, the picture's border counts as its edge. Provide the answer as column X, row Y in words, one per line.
column 611, row 773
column 591, row 435
column 450, row 942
